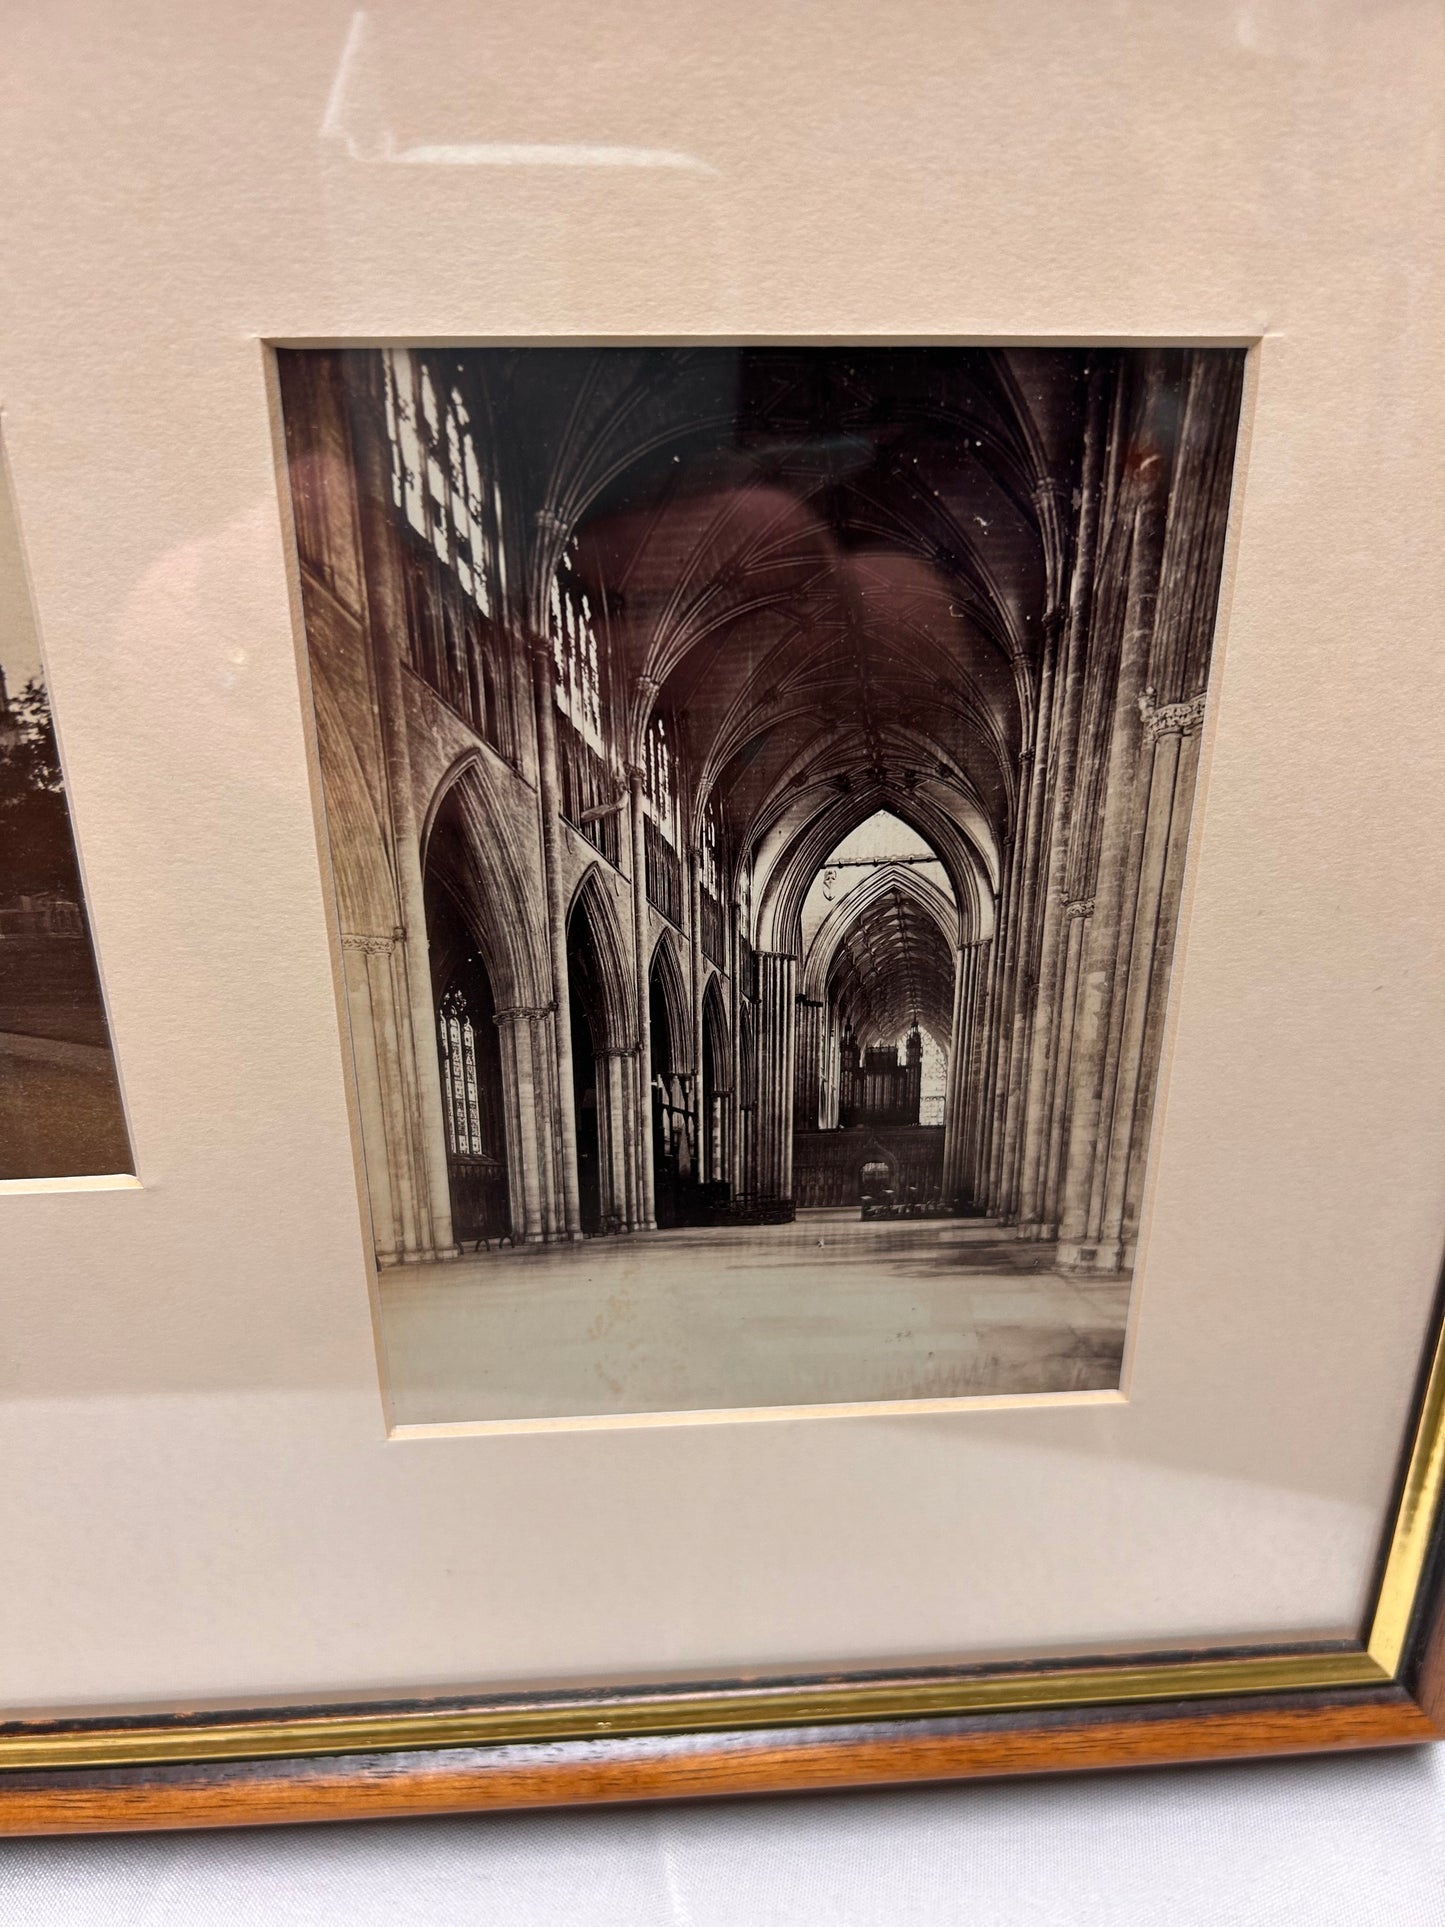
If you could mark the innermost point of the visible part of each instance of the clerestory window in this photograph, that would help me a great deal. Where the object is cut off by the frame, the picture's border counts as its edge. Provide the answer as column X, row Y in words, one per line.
column 708, row 851
column 575, row 648
column 659, row 779
column 436, row 478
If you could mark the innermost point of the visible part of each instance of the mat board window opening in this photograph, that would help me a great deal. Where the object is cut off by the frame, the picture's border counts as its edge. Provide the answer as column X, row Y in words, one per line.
column 794, row 751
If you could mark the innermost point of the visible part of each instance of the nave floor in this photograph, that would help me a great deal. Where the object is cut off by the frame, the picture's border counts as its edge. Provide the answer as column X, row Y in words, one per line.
column 828, row 1310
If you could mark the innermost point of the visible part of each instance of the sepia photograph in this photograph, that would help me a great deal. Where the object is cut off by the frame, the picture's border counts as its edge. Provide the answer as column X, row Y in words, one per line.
column 757, row 786
column 60, row 1105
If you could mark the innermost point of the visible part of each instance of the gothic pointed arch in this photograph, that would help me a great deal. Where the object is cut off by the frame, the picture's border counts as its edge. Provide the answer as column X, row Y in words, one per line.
column 612, row 996
column 716, row 1036
column 797, row 861
column 889, row 880
column 468, row 1049
column 468, row 845
column 669, row 989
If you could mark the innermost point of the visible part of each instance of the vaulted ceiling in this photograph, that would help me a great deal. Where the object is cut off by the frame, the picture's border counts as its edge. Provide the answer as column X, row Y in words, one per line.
column 830, row 568
column 892, row 967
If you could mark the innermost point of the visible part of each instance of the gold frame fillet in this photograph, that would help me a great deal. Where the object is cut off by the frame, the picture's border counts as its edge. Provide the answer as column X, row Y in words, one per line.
column 32, row 1746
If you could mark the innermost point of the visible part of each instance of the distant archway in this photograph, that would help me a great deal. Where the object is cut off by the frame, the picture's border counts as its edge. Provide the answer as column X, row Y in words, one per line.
column 877, row 1175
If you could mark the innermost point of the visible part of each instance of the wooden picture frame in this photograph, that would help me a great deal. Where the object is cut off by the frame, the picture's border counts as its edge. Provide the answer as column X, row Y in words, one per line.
column 298, row 1763
column 247, row 1579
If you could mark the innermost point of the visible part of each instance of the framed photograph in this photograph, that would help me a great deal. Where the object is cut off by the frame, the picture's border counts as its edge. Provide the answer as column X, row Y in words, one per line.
column 722, row 1061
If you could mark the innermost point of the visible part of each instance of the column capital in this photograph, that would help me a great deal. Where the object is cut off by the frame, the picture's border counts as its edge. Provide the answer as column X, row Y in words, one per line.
column 532, row 1011
column 1078, row 907
column 1171, row 719
column 372, row 945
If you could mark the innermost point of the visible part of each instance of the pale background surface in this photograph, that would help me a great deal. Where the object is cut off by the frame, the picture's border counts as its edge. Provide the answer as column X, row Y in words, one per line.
column 1344, row 1842
column 202, row 1500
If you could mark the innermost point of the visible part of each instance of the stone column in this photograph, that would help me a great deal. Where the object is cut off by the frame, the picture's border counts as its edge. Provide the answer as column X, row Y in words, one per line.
column 1076, row 912
column 694, row 931
column 980, row 1046
column 1165, row 833
column 828, row 1075
column 373, row 980
column 544, row 1061
column 1179, row 665
column 999, row 1006
column 1055, row 933
column 1006, row 969
column 623, row 1070
column 956, row 1092
column 640, row 933
column 614, row 1121
column 738, row 1175
column 1100, row 1013
column 417, row 1135
column 549, row 799
column 527, row 1120
column 809, row 1083
column 1025, row 966
column 1170, row 896
column 777, row 999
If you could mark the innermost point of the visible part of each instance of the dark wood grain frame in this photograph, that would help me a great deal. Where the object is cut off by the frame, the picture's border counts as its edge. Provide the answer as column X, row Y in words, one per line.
column 223, row 1767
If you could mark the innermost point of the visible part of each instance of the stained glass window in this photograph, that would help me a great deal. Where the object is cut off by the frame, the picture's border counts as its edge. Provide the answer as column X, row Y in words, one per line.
column 708, row 853
column 574, row 644
column 436, row 478
column 658, row 766
column 460, row 1095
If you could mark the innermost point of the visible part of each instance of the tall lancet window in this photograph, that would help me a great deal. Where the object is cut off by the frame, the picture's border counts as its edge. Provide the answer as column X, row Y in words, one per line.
column 708, row 850
column 436, row 478
column 574, row 645
column 461, row 1097
column 660, row 778
column 709, row 865
column 451, row 560
column 664, row 866
column 590, row 788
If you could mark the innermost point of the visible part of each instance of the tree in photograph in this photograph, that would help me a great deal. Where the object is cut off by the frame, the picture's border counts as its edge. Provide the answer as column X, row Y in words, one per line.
column 37, row 851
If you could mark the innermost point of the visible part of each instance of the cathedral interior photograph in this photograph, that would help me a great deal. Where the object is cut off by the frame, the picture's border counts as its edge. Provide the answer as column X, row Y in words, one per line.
column 757, row 787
